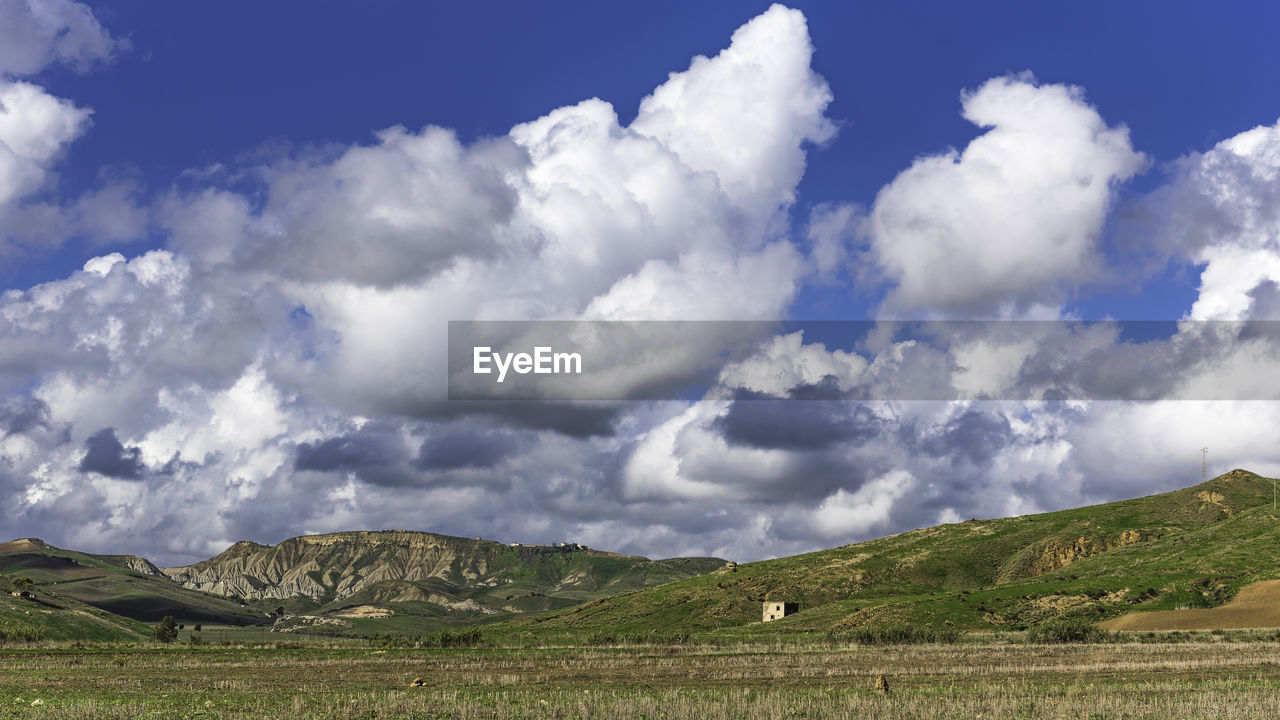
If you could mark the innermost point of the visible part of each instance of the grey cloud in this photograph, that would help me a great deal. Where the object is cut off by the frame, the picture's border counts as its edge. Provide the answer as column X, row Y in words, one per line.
column 578, row 420
column 472, row 447
column 36, row 33
column 106, row 456
column 799, row 423
column 1265, row 299
column 396, row 212
column 21, row 415
column 974, row 436
column 350, row 452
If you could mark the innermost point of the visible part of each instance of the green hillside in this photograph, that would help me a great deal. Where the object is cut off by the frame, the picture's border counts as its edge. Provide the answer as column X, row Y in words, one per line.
column 110, row 583
column 30, row 614
column 1188, row 548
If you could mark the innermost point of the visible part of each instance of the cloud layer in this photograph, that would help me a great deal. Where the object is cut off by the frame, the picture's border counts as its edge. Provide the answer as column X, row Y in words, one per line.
column 278, row 366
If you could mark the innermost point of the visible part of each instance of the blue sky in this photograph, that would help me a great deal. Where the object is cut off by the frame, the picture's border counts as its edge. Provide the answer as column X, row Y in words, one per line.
column 206, row 84
column 232, row 234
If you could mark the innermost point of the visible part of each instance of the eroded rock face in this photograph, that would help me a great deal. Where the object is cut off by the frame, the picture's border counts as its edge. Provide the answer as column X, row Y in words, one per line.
column 336, row 565
column 1216, row 500
column 1058, row 554
column 405, row 566
column 139, row 564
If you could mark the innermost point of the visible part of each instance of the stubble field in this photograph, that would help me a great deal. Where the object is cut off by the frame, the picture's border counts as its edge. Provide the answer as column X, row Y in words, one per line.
column 988, row 679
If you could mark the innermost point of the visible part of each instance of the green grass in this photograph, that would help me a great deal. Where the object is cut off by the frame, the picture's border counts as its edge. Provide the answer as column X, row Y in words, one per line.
column 54, row 618
column 1188, row 548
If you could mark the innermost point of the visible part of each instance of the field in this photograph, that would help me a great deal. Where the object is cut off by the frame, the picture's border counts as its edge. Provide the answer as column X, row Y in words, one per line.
column 1198, row 676
column 1256, row 605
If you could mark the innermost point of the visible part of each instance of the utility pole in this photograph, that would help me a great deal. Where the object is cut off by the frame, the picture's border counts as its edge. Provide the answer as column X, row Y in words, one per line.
column 1204, row 464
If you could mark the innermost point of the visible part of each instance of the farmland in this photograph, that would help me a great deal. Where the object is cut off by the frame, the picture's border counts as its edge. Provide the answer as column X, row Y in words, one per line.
column 1186, row 675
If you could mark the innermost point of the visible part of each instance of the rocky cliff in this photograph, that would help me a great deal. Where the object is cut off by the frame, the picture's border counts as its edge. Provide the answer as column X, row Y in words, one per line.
column 439, row 569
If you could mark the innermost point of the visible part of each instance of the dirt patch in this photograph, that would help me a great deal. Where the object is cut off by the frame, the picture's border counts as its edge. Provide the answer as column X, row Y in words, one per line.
column 365, row 611
column 1215, row 499
column 1256, row 605
column 1062, row 603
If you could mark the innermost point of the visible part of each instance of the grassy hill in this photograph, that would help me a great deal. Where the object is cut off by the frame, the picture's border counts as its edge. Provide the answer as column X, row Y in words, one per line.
column 123, row 585
column 1189, row 548
column 30, row 614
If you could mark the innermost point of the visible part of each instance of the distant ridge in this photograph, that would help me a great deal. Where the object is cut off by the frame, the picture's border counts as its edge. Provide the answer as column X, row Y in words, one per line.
column 344, row 582
column 456, row 574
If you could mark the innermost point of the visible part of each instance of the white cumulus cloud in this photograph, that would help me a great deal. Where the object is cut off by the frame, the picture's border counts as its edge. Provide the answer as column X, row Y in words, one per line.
column 1013, row 221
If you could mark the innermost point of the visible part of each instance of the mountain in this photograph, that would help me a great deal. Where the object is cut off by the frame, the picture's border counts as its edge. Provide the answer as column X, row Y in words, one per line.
column 369, row 574
column 1190, row 548
column 124, row 585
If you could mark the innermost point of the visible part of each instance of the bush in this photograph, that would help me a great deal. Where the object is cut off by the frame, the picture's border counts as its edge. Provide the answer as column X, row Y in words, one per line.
column 1067, row 631
column 166, row 631
column 10, row 632
column 896, row 635
column 442, row 639
column 461, row 638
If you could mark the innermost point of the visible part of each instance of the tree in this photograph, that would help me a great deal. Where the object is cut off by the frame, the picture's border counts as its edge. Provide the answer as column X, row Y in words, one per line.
column 166, row 631
column 22, row 582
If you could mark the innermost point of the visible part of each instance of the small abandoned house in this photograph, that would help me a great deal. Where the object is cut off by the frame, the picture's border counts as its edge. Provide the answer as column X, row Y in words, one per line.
column 775, row 610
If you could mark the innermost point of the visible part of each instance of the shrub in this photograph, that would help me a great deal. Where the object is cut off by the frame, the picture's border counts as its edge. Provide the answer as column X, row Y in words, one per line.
column 1067, row 631
column 166, row 631
column 461, row 638
column 10, row 632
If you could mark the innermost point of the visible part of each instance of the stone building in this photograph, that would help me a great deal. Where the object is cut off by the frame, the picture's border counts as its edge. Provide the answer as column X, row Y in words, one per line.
column 774, row 610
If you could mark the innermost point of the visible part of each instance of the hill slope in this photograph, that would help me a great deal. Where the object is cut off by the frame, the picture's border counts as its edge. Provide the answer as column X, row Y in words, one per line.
column 1188, row 548
column 124, row 585
column 418, row 573
column 29, row 613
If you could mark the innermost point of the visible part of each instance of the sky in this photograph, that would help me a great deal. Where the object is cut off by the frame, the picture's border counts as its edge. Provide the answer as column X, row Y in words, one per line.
column 232, row 236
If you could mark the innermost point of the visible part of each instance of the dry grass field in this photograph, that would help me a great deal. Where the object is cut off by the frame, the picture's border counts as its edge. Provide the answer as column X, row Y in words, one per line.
column 988, row 679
